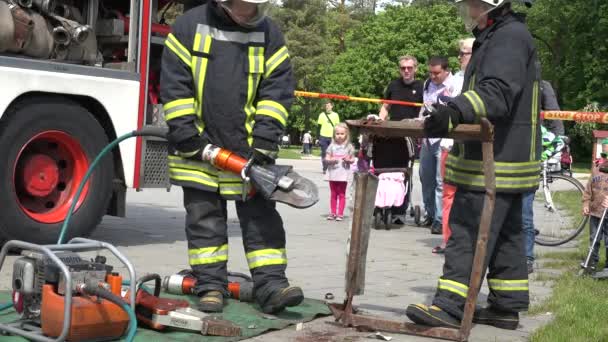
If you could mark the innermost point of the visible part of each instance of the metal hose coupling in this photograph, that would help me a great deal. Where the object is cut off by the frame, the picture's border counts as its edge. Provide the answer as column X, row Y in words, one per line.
column 61, row 36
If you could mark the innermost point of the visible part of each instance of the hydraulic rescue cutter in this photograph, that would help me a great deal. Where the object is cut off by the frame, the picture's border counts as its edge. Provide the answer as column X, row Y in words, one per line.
column 279, row 183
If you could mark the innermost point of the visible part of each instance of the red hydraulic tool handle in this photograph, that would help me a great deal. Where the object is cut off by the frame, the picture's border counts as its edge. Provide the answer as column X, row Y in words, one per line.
column 224, row 159
column 354, row 98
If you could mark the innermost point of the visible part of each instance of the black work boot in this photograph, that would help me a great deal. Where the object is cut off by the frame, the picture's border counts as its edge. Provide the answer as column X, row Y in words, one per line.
column 282, row 298
column 211, row 301
column 432, row 316
column 495, row 317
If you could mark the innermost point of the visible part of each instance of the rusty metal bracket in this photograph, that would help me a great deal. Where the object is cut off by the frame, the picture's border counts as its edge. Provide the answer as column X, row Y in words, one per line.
column 355, row 272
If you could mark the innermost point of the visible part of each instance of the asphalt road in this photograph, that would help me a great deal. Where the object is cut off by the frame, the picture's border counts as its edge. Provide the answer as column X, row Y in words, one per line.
column 400, row 266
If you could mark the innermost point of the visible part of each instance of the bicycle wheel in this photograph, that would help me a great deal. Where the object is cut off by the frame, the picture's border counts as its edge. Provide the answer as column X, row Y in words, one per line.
column 558, row 211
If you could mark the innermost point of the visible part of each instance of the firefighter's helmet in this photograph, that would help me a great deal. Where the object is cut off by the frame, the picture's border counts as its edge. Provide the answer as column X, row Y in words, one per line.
column 249, row 21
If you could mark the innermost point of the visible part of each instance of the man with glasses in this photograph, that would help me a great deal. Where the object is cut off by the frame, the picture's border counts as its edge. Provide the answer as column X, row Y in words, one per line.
column 439, row 84
column 394, row 152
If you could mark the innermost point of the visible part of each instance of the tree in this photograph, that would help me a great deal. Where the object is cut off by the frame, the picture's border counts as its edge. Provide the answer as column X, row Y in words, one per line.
column 370, row 60
column 573, row 48
column 304, row 24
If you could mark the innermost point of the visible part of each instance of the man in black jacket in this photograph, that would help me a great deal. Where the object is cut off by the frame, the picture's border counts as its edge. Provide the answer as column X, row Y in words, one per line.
column 227, row 79
column 501, row 84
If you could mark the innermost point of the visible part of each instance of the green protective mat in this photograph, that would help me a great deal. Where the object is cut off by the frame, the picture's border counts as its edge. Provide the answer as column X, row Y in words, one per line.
column 248, row 316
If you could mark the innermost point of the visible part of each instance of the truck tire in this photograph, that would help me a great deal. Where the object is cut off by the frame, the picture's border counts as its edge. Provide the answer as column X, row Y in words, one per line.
column 46, row 146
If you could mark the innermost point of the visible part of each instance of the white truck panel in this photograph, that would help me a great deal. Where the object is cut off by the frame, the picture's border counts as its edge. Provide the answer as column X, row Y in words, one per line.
column 120, row 98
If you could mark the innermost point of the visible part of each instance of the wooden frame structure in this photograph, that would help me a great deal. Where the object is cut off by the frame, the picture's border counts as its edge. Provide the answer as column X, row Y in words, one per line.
column 365, row 183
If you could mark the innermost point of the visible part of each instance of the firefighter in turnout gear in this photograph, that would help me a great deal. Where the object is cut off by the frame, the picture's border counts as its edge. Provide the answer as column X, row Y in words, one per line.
column 227, row 79
column 501, row 84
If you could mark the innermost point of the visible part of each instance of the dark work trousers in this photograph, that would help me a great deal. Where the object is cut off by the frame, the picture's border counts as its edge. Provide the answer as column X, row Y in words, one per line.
column 505, row 258
column 263, row 235
column 594, row 223
column 324, row 143
column 392, row 153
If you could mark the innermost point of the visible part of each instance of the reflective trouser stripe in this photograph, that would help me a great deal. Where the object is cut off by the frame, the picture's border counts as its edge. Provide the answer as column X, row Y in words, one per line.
column 178, row 49
column 208, row 255
column 272, row 109
column 478, row 106
column 534, row 120
column 275, row 60
column 508, row 285
column 267, row 257
column 453, row 286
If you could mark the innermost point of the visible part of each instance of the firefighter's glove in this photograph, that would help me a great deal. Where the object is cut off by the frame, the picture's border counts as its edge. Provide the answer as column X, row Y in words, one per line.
column 192, row 148
column 264, row 151
column 441, row 120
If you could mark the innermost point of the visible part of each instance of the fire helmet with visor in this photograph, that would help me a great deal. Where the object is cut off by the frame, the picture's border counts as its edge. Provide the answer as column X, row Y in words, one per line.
column 249, row 22
column 471, row 11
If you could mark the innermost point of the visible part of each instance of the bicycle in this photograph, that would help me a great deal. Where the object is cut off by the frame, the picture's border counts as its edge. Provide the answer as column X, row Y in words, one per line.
column 558, row 208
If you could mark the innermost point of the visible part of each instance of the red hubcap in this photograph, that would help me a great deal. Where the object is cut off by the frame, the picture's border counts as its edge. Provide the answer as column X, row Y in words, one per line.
column 46, row 175
column 40, row 175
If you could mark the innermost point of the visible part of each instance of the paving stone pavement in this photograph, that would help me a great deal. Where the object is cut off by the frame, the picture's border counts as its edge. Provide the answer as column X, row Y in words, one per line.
column 401, row 268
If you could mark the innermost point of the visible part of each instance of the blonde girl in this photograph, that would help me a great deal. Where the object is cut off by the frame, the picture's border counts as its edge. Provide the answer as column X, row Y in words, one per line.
column 340, row 155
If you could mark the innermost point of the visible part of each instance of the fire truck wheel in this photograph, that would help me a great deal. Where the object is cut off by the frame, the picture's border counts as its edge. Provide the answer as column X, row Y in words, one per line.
column 47, row 145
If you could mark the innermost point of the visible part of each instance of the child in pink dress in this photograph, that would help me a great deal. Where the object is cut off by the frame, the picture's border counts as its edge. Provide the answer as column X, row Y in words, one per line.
column 340, row 156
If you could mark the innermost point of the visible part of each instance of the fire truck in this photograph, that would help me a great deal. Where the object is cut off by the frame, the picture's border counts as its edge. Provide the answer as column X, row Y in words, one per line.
column 75, row 75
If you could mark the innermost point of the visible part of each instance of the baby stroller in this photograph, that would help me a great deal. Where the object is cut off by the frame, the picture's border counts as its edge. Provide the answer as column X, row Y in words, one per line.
column 394, row 183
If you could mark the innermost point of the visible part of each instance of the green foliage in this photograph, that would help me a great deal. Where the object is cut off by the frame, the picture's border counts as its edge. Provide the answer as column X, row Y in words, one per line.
column 573, row 48
column 370, row 61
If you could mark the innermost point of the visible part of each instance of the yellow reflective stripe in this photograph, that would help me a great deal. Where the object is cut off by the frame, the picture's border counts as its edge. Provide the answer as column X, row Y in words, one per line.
column 472, row 82
column 178, row 103
column 534, row 120
column 266, row 257
column 188, row 154
column 192, row 176
column 478, row 106
column 501, row 182
column 199, row 68
column 179, row 108
column 178, row 49
column 453, row 286
column 178, row 162
column 256, row 68
column 231, row 189
column 275, row 60
column 272, row 109
column 508, row 285
column 208, row 255
column 501, row 167
column 229, row 177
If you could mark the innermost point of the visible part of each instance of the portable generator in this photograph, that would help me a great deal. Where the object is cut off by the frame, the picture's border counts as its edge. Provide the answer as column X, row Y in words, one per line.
column 59, row 295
